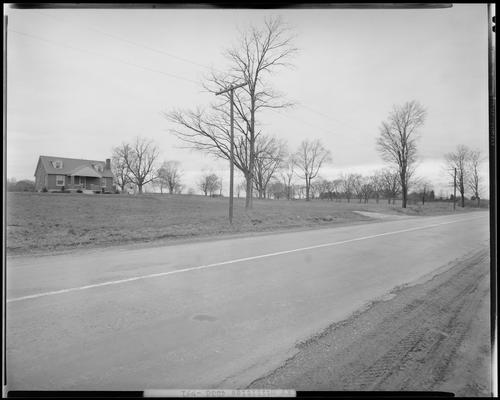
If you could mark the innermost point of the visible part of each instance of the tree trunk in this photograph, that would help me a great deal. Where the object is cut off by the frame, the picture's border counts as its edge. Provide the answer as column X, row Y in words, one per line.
column 248, row 193
column 404, row 191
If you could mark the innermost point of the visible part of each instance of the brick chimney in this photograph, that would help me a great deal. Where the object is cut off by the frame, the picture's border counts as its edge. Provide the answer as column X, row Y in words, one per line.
column 108, row 164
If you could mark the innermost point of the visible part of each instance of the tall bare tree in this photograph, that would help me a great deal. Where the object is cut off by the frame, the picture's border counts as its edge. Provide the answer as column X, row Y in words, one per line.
column 475, row 181
column 310, row 157
column 258, row 53
column 459, row 160
column 397, row 143
column 169, row 175
column 139, row 158
column 269, row 155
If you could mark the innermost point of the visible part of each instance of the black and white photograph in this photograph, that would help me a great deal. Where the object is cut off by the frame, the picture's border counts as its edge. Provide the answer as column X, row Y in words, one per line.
column 210, row 201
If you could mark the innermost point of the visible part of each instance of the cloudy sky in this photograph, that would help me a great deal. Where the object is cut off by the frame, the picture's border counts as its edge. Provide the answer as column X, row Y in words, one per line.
column 82, row 81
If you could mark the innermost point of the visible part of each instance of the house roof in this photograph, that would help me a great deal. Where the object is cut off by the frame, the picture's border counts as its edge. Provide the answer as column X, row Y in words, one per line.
column 86, row 171
column 74, row 166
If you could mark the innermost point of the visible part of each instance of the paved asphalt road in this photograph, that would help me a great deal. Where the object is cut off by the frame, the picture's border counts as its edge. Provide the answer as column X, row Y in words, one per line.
column 208, row 314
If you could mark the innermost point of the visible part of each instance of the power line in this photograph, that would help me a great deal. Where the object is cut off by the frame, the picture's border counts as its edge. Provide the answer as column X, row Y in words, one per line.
column 147, row 47
column 329, row 117
column 150, row 48
column 330, row 132
column 36, row 37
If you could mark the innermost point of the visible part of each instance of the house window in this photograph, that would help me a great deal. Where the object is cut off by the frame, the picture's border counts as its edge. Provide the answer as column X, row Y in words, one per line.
column 60, row 180
column 57, row 164
column 98, row 167
column 103, row 182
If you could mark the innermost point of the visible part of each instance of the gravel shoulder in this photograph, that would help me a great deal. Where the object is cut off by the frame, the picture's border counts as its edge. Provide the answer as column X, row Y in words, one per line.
column 431, row 336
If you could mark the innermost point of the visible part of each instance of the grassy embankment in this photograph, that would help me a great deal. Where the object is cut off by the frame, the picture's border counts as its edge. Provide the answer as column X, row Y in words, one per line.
column 44, row 222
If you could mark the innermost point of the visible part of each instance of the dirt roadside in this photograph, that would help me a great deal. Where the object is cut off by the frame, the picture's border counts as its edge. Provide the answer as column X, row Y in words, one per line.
column 432, row 336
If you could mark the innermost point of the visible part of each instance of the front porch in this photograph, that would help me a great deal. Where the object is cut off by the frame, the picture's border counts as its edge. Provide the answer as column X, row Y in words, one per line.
column 85, row 183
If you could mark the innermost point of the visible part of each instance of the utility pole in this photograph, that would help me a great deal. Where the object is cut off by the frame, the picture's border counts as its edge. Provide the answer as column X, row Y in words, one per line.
column 454, row 189
column 231, row 153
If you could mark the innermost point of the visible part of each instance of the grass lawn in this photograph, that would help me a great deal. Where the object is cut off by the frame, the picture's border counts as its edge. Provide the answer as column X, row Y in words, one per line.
column 44, row 222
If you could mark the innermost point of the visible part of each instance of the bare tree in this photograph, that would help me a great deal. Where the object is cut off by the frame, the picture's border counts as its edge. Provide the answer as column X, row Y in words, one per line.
column 287, row 174
column 459, row 160
column 310, row 156
column 259, row 53
column 240, row 187
column 119, row 167
column 324, row 189
column 139, row 158
column 474, row 181
column 425, row 190
column 348, row 184
column 397, row 143
column 169, row 175
column 179, row 188
column 209, row 184
column 335, row 188
column 269, row 154
column 277, row 189
column 366, row 189
column 357, row 185
column 390, row 184
column 376, row 184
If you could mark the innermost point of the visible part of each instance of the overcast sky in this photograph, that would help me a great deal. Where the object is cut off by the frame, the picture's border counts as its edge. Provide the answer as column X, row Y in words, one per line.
column 82, row 81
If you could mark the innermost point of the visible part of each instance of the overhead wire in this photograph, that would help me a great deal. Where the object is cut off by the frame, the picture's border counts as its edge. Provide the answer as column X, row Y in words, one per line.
column 183, row 59
column 61, row 44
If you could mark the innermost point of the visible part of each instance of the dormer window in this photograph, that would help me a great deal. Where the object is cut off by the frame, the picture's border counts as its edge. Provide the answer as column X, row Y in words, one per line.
column 58, row 164
column 98, row 167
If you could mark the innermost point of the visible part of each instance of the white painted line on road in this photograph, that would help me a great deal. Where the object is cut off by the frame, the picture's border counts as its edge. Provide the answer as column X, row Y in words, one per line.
column 178, row 271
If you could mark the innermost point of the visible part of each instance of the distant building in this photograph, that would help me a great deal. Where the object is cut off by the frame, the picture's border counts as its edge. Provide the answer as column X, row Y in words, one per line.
column 55, row 173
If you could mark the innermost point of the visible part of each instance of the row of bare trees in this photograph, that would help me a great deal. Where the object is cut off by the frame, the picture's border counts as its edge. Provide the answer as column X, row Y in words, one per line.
column 273, row 163
column 263, row 160
column 382, row 184
column 136, row 164
column 463, row 166
column 397, row 145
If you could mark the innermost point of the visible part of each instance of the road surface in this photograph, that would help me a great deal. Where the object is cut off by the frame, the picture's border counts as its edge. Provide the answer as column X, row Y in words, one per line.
column 431, row 336
column 215, row 314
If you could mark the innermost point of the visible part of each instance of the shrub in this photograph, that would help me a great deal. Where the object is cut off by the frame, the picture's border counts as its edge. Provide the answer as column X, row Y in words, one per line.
column 24, row 186
column 44, row 190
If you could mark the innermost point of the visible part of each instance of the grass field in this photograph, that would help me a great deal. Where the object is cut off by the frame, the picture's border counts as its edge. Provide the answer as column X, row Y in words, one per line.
column 44, row 222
